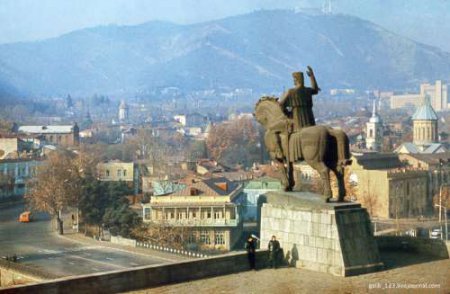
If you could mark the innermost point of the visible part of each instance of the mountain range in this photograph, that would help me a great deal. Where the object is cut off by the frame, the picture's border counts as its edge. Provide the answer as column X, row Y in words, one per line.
column 259, row 50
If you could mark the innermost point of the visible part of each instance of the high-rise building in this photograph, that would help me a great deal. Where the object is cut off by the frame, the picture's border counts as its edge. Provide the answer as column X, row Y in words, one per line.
column 438, row 93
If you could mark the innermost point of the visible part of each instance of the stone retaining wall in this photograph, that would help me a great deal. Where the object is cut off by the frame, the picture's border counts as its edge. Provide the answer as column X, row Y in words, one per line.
column 433, row 247
column 147, row 276
column 12, row 273
column 123, row 241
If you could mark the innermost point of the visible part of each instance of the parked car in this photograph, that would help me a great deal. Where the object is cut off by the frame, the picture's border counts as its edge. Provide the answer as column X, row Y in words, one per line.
column 25, row 217
column 436, row 234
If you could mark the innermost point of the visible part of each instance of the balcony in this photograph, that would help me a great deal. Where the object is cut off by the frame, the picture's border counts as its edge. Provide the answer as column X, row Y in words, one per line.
column 203, row 222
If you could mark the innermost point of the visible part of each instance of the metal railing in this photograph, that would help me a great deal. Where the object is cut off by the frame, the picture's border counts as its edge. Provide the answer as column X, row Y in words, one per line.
column 171, row 250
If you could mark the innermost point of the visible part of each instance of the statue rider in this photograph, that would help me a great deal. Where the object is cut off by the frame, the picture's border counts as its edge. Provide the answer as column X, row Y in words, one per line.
column 297, row 102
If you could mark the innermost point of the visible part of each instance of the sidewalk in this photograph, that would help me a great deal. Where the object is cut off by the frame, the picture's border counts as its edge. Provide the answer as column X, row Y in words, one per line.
column 429, row 277
column 80, row 238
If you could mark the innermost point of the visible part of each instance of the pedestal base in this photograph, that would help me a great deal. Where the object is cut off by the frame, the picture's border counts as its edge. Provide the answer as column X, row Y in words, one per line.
column 335, row 238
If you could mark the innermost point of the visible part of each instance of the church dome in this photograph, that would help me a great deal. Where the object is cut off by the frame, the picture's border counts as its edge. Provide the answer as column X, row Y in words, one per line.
column 425, row 111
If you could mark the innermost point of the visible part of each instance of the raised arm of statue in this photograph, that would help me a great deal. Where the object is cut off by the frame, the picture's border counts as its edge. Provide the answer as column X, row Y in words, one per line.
column 314, row 86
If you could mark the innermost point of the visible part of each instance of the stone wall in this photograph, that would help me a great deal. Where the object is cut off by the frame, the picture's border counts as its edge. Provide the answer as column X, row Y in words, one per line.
column 123, row 241
column 12, row 273
column 432, row 247
column 146, row 276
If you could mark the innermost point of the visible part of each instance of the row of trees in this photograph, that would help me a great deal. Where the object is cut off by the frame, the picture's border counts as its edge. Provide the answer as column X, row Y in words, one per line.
column 67, row 180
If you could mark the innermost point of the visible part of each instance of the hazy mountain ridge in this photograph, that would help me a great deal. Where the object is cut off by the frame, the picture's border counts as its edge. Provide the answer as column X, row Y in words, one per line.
column 257, row 50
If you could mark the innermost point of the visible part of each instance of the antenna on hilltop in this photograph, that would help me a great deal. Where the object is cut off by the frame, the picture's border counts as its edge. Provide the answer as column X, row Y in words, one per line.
column 327, row 7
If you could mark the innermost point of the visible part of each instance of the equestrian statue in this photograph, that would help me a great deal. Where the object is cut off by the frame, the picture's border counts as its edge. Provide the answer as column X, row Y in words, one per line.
column 291, row 135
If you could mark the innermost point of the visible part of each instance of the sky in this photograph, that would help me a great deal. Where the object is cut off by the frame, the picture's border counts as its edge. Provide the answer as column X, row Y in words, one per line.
column 27, row 20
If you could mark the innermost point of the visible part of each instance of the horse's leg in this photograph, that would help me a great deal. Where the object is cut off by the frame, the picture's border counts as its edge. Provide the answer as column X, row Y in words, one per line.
column 297, row 184
column 324, row 173
column 339, row 172
column 284, row 175
column 342, row 145
column 291, row 175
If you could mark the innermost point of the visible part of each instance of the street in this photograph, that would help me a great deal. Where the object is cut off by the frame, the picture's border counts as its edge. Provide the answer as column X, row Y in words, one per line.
column 36, row 245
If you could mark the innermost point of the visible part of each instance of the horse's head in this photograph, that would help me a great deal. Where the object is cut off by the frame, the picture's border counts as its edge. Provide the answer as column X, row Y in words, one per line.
column 268, row 111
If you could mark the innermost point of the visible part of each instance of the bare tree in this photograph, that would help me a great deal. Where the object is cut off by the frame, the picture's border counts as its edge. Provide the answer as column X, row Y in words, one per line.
column 370, row 201
column 442, row 198
column 164, row 234
column 56, row 186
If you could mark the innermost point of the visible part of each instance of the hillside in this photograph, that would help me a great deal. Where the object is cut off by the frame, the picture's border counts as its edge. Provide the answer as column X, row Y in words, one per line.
column 257, row 50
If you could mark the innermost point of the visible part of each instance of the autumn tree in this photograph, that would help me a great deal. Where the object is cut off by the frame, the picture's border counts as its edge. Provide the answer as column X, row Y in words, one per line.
column 56, row 186
column 234, row 142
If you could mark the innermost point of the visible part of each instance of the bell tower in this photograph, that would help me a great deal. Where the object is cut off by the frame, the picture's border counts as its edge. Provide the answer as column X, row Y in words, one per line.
column 374, row 131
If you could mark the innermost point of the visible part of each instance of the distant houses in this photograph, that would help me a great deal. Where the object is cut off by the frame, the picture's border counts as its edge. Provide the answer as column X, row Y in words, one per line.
column 62, row 135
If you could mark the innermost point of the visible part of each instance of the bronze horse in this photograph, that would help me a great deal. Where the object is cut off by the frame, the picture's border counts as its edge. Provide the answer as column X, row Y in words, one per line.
column 323, row 148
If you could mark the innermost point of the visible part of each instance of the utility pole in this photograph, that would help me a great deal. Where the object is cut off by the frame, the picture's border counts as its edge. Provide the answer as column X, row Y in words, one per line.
column 440, row 191
column 446, row 222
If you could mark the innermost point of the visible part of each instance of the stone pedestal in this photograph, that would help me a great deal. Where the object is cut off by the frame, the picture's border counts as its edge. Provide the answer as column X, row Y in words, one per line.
column 335, row 238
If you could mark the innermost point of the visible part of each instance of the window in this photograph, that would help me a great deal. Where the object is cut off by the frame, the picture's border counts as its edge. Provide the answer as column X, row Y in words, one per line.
column 208, row 215
column 194, row 215
column 192, row 238
column 219, row 238
column 217, row 215
column 204, row 237
column 119, row 172
column 124, row 172
column 147, row 213
column 180, row 215
column 107, row 172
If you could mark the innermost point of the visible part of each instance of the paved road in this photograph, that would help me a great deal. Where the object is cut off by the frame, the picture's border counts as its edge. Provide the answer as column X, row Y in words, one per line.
column 38, row 246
